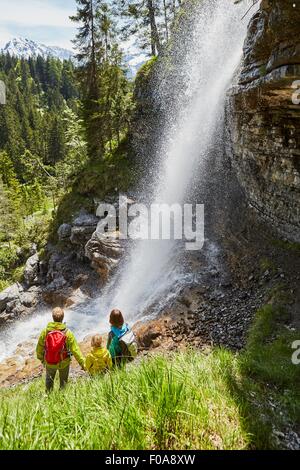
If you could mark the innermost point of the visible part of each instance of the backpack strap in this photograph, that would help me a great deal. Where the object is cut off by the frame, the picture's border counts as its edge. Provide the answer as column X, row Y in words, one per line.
column 65, row 332
column 127, row 331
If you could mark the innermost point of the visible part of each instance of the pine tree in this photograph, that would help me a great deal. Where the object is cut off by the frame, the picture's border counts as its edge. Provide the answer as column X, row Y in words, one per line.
column 8, row 220
column 56, row 143
column 90, row 56
column 150, row 20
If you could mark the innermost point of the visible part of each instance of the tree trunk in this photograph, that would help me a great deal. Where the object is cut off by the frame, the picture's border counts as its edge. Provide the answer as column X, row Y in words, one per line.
column 166, row 20
column 94, row 91
column 155, row 42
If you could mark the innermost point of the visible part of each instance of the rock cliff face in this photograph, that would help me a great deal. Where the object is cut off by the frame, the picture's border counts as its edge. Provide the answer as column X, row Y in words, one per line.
column 74, row 269
column 263, row 116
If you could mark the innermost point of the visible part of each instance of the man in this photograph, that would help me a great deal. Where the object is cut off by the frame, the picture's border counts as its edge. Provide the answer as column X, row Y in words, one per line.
column 55, row 348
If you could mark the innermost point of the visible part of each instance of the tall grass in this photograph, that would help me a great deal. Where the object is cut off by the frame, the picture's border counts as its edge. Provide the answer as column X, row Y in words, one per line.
column 180, row 402
column 186, row 400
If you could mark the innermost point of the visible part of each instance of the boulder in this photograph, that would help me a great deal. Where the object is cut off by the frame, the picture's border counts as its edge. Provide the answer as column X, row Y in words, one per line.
column 85, row 220
column 83, row 228
column 57, row 292
column 11, row 294
column 81, row 235
column 64, row 232
column 31, row 272
column 104, row 252
column 29, row 299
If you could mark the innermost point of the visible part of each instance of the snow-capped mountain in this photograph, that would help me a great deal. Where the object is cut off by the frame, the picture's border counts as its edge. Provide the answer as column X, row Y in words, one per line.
column 134, row 58
column 25, row 48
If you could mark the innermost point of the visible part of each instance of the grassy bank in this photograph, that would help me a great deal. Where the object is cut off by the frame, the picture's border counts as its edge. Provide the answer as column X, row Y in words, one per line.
column 177, row 403
column 187, row 400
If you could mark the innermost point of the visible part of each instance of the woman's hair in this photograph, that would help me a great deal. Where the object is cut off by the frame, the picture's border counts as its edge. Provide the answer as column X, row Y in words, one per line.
column 58, row 315
column 116, row 318
column 96, row 341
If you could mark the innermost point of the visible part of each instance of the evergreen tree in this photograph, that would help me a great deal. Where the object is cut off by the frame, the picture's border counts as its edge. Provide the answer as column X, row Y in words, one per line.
column 56, row 144
column 8, row 219
column 150, row 20
column 90, row 56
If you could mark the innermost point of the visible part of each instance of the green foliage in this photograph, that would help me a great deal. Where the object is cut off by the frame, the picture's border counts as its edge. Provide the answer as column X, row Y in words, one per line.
column 8, row 261
column 151, row 21
column 37, row 91
column 94, row 182
column 105, row 91
column 267, row 264
column 33, row 230
column 268, row 383
column 145, row 71
column 263, row 70
column 269, row 339
column 42, row 149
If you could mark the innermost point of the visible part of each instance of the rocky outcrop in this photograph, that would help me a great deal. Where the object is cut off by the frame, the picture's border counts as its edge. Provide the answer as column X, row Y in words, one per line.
column 263, row 117
column 83, row 228
column 104, row 253
column 64, row 232
column 32, row 270
column 82, row 241
column 75, row 268
column 17, row 301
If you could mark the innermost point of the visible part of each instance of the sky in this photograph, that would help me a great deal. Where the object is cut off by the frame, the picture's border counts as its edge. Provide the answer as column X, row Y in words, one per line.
column 44, row 21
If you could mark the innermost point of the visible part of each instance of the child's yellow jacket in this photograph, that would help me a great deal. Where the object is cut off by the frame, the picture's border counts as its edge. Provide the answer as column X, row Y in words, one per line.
column 99, row 360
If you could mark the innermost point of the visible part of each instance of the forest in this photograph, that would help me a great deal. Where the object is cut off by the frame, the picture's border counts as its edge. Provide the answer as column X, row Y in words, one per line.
column 63, row 116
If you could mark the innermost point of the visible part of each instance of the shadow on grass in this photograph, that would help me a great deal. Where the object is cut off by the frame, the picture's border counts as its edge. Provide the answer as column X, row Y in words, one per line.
column 266, row 384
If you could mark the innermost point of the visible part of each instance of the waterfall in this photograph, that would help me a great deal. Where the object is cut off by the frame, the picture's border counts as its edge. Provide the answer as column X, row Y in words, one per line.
column 214, row 51
column 153, row 270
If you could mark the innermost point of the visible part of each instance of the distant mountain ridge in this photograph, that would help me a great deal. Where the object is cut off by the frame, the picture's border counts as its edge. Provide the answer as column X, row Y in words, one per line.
column 26, row 48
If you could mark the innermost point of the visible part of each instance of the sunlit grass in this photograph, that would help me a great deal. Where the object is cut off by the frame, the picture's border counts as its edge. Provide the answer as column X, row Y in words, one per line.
column 180, row 402
column 187, row 400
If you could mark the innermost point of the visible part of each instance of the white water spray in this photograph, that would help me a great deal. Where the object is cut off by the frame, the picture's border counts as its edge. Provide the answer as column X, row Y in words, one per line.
column 214, row 53
column 152, row 272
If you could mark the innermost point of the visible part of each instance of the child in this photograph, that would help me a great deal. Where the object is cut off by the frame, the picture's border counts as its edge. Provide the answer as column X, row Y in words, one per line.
column 122, row 343
column 99, row 359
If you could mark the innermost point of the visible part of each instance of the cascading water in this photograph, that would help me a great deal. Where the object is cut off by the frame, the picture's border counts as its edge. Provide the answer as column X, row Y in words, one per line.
column 152, row 271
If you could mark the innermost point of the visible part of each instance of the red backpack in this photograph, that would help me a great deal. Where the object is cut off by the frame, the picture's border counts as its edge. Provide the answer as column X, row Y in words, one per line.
column 56, row 347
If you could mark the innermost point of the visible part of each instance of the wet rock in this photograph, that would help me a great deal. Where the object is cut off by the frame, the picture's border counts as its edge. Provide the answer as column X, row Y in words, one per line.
column 10, row 306
column 19, row 311
column 79, row 280
column 57, row 292
column 150, row 334
column 29, row 299
column 186, row 301
column 86, row 220
column 10, row 294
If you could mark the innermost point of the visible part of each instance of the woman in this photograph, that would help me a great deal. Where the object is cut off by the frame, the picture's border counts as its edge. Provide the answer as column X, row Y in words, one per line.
column 122, row 343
